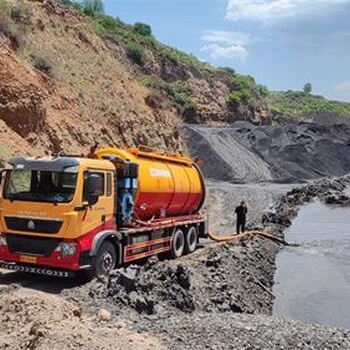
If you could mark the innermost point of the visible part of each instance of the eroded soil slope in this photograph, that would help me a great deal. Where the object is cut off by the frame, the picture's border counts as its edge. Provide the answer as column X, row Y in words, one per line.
column 63, row 89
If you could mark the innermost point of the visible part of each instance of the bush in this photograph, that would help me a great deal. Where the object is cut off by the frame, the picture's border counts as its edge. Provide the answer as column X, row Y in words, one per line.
column 38, row 61
column 142, row 29
column 263, row 90
column 238, row 96
column 5, row 18
column 228, row 70
column 108, row 23
column 21, row 13
column 307, row 88
column 92, row 7
column 136, row 53
column 43, row 64
column 8, row 27
column 70, row 3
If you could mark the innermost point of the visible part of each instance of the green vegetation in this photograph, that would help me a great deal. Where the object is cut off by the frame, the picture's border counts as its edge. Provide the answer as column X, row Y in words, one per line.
column 307, row 88
column 41, row 63
column 175, row 91
column 245, row 90
column 299, row 105
column 13, row 19
column 142, row 29
column 135, row 52
column 91, row 7
column 139, row 44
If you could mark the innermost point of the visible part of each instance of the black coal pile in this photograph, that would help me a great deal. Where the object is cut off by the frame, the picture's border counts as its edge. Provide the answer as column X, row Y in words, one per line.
column 238, row 277
column 156, row 287
column 290, row 153
column 152, row 288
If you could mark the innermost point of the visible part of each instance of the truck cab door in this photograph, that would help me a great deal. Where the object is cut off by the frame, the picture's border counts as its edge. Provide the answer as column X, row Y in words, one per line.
column 99, row 200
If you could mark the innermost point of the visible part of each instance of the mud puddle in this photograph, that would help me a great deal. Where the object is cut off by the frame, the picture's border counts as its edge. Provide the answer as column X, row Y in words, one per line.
column 312, row 282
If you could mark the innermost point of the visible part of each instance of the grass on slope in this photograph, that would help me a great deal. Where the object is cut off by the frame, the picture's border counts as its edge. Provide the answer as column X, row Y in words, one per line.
column 137, row 38
column 299, row 106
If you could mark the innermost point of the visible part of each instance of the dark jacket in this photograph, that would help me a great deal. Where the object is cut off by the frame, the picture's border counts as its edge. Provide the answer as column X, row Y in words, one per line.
column 241, row 212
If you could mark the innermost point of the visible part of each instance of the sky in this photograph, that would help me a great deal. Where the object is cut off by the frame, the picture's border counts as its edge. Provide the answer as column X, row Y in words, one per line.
column 283, row 44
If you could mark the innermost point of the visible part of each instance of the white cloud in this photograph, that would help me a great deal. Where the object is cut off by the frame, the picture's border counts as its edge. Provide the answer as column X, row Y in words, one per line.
column 220, row 52
column 225, row 45
column 229, row 38
column 343, row 91
column 274, row 10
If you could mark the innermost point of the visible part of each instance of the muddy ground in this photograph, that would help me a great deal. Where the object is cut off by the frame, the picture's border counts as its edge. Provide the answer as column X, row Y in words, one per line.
column 220, row 297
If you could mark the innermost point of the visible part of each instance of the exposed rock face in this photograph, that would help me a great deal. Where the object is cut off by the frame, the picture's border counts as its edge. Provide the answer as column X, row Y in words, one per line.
column 89, row 96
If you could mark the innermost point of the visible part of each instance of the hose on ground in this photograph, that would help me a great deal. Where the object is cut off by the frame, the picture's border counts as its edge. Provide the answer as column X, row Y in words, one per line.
column 221, row 239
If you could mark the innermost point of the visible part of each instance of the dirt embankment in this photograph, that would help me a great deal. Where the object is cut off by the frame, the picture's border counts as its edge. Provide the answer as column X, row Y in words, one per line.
column 31, row 321
column 293, row 153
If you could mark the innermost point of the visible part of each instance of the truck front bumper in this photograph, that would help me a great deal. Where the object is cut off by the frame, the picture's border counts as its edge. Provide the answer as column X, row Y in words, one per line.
column 36, row 270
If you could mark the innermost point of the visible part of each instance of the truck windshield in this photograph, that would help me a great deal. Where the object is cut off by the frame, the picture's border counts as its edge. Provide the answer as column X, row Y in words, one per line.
column 40, row 186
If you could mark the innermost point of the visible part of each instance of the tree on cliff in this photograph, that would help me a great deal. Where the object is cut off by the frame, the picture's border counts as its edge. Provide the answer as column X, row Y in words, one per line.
column 142, row 29
column 307, row 88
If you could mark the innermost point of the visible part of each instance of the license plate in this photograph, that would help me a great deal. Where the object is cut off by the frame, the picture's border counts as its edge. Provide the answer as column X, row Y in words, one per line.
column 28, row 259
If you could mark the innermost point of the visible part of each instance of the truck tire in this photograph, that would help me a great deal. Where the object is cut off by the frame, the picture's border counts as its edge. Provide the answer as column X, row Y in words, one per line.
column 191, row 240
column 105, row 260
column 178, row 244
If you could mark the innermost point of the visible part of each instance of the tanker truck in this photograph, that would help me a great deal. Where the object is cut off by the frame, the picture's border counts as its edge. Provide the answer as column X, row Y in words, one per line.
column 68, row 215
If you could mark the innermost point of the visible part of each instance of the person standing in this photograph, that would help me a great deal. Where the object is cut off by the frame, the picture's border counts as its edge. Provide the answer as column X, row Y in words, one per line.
column 241, row 213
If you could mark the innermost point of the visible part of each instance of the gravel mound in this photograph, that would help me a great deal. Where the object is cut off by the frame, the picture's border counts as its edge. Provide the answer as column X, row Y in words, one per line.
column 235, row 277
column 224, row 157
column 41, row 321
column 245, row 332
column 153, row 288
column 292, row 153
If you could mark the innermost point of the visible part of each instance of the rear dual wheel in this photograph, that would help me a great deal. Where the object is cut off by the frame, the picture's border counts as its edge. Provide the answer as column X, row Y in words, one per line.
column 184, row 243
column 191, row 240
column 178, row 244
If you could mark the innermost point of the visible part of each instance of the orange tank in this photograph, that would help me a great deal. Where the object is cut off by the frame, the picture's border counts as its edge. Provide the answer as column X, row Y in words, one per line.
column 168, row 185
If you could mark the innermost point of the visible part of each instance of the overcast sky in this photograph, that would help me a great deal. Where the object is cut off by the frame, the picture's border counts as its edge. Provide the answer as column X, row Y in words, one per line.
column 282, row 43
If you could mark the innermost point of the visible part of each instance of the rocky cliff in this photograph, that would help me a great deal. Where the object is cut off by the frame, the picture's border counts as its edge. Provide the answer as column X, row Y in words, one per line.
column 68, row 80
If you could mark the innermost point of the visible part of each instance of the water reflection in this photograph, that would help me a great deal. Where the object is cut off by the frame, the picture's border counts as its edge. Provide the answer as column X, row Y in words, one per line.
column 312, row 282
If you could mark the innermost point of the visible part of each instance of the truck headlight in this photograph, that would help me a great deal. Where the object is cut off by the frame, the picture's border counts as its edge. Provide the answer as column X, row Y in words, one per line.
column 2, row 240
column 68, row 249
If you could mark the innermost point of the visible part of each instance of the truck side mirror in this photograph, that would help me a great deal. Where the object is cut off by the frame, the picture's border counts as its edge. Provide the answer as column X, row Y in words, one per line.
column 94, row 188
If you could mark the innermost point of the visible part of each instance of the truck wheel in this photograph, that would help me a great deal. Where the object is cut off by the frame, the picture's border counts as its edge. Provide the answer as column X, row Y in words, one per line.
column 178, row 244
column 191, row 240
column 105, row 260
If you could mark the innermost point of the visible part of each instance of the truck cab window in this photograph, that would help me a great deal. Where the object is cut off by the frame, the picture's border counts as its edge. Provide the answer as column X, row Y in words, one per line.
column 88, row 174
column 40, row 186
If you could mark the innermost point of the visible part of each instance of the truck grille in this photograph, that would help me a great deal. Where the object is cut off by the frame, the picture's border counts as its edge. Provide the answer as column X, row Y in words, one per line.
column 33, row 225
column 29, row 245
